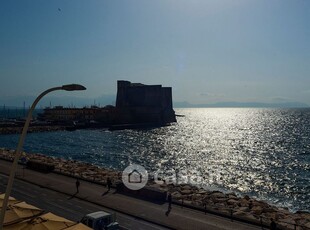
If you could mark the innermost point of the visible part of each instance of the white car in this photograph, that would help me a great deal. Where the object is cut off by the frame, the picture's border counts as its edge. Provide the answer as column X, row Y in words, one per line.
column 100, row 221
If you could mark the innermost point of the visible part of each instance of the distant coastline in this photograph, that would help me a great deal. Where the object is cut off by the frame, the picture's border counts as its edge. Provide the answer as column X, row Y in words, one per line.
column 185, row 104
column 232, row 104
column 13, row 103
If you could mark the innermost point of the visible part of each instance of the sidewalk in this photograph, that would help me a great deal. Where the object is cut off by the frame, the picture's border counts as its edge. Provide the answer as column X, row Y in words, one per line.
column 178, row 218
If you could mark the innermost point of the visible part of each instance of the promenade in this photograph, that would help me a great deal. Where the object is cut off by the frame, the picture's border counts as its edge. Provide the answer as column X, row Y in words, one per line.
column 178, row 218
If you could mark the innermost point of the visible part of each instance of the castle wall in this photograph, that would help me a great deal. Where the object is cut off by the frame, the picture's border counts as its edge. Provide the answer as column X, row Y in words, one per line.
column 140, row 103
column 135, row 103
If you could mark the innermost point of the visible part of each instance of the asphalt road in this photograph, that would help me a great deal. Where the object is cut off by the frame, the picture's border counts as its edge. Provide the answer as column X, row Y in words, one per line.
column 66, row 206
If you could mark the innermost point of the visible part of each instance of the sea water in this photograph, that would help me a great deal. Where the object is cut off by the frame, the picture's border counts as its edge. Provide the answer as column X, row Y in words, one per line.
column 264, row 153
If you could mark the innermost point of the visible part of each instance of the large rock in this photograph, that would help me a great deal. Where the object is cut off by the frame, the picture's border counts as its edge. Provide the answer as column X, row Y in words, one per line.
column 246, row 197
column 232, row 196
column 232, row 202
column 303, row 222
column 197, row 196
column 239, row 213
column 186, row 192
column 259, row 203
column 286, row 226
column 288, row 220
column 257, row 210
column 250, row 216
column 218, row 195
column 268, row 215
column 186, row 187
column 307, row 225
column 176, row 195
column 220, row 200
column 269, row 209
column 305, row 215
column 158, row 186
column 201, row 191
column 243, row 202
column 243, row 209
column 188, row 202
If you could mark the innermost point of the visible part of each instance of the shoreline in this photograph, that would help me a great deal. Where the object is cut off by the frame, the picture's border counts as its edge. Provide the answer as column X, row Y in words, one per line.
column 225, row 203
column 31, row 129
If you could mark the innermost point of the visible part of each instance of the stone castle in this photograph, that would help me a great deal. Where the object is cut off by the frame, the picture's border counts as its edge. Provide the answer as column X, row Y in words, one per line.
column 136, row 103
column 139, row 103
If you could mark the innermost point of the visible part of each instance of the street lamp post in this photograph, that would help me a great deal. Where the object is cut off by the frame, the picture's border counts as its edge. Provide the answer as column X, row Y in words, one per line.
column 71, row 87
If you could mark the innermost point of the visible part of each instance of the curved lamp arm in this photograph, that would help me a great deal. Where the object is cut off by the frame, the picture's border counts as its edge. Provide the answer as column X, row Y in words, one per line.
column 71, row 87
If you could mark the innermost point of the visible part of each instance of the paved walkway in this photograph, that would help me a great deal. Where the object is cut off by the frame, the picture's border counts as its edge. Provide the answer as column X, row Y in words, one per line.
column 178, row 218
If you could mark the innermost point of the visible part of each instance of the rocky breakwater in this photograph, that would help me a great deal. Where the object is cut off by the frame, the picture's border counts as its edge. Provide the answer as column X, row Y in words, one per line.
column 72, row 168
column 228, row 204
column 234, row 206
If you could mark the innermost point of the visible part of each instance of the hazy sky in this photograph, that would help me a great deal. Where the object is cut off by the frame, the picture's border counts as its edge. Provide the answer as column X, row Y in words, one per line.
column 207, row 50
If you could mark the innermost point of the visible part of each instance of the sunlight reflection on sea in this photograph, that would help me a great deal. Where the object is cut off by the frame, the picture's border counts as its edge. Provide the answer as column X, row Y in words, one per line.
column 261, row 152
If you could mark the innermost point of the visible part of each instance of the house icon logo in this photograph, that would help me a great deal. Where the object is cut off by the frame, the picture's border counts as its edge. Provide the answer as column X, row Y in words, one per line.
column 135, row 177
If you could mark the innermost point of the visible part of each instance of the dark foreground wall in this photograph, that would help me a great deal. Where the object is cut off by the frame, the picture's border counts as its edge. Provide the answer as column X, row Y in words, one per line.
column 147, row 193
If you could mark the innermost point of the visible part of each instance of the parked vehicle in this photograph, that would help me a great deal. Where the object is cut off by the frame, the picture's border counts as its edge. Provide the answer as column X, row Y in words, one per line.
column 100, row 221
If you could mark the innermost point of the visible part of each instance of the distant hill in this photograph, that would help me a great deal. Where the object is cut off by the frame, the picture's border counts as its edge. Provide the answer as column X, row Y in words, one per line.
column 185, row 104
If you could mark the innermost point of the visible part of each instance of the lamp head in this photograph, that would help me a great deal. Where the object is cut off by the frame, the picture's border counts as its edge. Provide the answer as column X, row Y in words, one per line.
column 73, row 87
